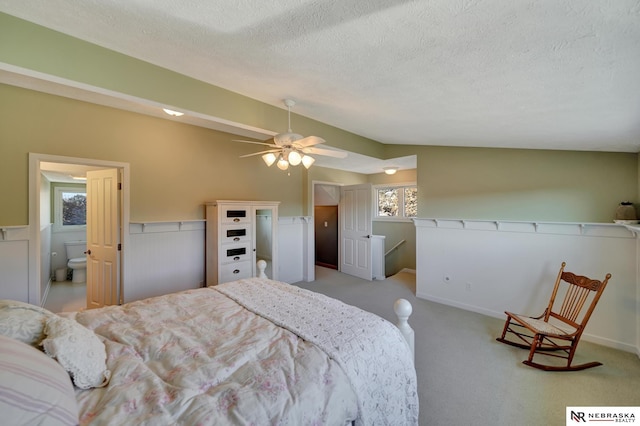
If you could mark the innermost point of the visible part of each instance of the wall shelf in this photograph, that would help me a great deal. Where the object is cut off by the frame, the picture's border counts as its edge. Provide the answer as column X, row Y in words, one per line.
column 13, row 232
column 562, row 228
column 137, row 227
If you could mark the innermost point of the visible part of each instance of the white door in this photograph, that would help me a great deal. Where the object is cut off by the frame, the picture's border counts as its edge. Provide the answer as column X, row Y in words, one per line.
column 103, row 266
column 355, row 230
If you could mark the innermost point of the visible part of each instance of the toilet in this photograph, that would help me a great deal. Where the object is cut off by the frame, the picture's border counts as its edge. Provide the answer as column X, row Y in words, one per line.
column 77, row 260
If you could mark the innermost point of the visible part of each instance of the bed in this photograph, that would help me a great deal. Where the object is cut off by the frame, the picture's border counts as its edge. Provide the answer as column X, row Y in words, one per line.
column 251, row 352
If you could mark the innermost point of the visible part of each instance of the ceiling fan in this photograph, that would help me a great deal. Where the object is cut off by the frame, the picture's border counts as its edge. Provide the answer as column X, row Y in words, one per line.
column 291, row 148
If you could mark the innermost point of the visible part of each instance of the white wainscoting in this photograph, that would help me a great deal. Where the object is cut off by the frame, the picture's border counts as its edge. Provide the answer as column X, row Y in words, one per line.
column 297, row 257
column 493, row 266
column 45, row 260
column 14, row 263
column 169, row 256
column 165, row 257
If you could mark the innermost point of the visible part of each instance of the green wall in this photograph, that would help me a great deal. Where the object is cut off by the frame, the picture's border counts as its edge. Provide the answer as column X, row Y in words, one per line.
column 513, row 184
column 174, row 167
column 32, row 47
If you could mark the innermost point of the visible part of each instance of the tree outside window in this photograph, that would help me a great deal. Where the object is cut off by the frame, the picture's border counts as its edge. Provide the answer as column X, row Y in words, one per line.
column 69, row 208
column 397, row 201
column 74, row 208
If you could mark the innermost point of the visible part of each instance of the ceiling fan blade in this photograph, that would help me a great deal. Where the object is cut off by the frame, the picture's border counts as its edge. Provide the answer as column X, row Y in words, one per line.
column 254, row 142
column 327, row 152
column 309, row 141
column 260, row 153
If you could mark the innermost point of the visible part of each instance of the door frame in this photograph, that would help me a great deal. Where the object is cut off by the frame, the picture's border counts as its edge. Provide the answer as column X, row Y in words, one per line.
column 34, row 290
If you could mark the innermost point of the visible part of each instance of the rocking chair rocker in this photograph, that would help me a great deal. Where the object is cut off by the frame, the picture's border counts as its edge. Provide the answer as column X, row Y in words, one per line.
column 557, row 331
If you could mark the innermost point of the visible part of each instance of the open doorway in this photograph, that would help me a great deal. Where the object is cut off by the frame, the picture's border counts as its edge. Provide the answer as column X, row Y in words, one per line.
column 326, row 236
column 326, row 198
column 40, row 247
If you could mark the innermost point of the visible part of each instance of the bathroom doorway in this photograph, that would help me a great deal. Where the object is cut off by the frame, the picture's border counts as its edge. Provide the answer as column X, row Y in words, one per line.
column 40, row 248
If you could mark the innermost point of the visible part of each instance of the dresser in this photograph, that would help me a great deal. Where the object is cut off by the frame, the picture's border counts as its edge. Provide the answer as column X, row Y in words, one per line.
column 239, row 233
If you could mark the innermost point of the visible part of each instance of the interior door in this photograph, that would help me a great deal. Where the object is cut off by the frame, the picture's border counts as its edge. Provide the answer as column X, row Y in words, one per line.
column 103, row 266
column 355, row 230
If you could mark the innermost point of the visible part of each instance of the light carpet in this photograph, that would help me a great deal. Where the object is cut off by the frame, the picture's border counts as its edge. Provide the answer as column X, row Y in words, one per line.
column 465, row 377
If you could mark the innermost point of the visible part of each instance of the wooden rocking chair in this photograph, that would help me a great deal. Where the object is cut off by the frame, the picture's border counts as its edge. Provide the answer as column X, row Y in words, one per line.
column 557, row 331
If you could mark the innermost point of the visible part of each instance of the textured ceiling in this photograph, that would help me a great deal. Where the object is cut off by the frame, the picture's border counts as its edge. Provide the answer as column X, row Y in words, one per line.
column 551, row 74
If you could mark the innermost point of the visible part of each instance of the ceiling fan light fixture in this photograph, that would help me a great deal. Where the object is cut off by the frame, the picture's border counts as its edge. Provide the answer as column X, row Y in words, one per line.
column 269, row 159
column 390, row 170
column 289, row 148
column 282, row 163
column 307, row 161
column 294, row 158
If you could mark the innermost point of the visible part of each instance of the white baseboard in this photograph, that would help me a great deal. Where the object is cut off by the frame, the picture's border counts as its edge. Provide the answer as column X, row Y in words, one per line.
column 500, row 315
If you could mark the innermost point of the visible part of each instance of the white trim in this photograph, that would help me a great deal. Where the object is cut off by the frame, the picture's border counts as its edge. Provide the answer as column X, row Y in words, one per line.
column 14, row 233
column 166, row 226
column 500, row 315
column 560, row 228
column 35, row 159
column 52, row 84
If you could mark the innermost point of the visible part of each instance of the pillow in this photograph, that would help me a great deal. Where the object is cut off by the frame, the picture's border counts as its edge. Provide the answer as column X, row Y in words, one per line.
column 34, row 388
column 78, row 350
column 22, row 321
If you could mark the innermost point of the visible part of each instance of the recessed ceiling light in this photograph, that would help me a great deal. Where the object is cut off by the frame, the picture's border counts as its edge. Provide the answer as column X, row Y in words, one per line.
column 172, row 112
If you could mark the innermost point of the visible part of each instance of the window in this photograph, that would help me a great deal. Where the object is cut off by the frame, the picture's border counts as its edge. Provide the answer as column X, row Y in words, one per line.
column 396, row 201
column 70, row 208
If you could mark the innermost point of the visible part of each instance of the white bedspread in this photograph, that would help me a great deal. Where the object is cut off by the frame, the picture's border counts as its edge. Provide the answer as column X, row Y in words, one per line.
column 199, row 358
column 371, row 350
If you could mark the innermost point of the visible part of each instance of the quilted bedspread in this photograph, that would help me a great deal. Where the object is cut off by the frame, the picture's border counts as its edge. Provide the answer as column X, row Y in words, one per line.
column 199, row 357
column 371, row 350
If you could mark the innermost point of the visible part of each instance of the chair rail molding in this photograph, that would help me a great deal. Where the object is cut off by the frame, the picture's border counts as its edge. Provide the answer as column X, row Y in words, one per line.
column 14, row 233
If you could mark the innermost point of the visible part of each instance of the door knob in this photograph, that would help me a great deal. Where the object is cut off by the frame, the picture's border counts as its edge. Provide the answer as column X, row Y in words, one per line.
column 88, row 252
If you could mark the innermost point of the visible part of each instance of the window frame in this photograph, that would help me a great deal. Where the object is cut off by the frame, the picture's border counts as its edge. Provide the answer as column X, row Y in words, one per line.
column 401, row 202
column 58, row 226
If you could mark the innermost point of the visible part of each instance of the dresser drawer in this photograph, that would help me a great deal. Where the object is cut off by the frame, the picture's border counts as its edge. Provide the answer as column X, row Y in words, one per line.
column 233, row 233
column 235, row 271
column 234, row 253
column 235, row 214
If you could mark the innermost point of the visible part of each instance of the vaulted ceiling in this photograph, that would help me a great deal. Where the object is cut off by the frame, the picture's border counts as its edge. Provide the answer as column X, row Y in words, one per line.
column 549, row 74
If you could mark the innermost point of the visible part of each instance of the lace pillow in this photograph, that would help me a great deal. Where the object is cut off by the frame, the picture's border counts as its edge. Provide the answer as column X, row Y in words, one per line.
column 22, row 321
column 78, row 350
